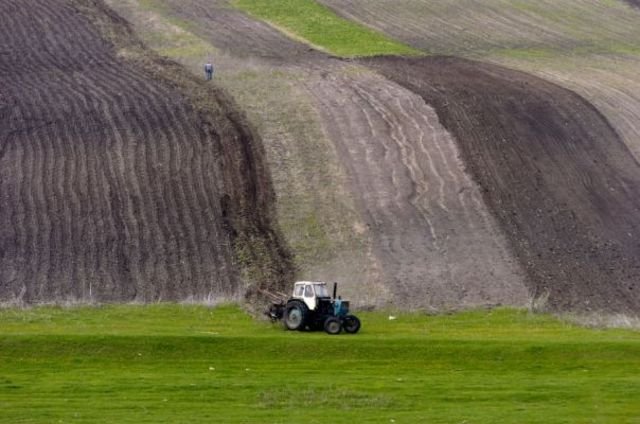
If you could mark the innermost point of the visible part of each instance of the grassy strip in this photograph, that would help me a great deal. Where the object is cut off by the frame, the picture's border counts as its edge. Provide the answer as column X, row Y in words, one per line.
column 319, row 26
column 185, row 364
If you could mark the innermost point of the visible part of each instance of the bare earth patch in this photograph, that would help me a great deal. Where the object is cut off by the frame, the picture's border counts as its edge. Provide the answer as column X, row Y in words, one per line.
column 588, row 46
column 114, row 186
column 435, row 239
column 560, row 180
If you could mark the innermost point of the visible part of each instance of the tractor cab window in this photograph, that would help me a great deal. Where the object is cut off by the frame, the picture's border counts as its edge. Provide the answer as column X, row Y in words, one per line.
column 321, row 290
column 308, row 291
column 299, row 290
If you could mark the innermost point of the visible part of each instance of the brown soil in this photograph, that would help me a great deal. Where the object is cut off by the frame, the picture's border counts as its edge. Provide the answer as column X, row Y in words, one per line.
column 145, row 194
column 434, row 238
column 116, row 187
column 421, row 220
column 563, row 185
column 587, row 46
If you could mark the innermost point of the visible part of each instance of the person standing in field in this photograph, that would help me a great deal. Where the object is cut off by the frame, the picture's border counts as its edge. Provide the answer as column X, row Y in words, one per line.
column 208, row 70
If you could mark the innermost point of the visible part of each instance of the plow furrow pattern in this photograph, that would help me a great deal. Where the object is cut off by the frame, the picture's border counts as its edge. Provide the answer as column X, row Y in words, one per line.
column 560, row 180
column 588, row 46
column 110, row 189
column 479, row 27
column 437, row 245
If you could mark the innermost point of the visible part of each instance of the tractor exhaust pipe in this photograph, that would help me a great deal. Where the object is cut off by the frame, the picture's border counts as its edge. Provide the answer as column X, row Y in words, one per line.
column 335, row 289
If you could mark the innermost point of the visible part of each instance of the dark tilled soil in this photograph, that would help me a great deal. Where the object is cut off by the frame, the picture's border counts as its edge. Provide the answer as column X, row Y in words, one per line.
column 113, row 186
column 563, row 185
column 635, row 3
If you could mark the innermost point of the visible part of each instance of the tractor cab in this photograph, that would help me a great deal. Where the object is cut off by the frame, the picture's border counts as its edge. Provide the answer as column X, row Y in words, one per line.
column 312, row 293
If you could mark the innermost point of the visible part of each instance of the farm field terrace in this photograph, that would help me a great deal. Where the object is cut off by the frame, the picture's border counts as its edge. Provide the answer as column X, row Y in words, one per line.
column 185, row 364
column 322, row 28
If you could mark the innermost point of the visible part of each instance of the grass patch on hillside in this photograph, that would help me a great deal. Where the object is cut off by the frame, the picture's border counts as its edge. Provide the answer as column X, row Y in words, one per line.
column 322, row 28
column 186, row 364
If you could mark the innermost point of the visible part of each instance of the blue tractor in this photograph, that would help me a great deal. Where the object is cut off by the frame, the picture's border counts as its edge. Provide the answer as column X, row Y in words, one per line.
column 311, row 307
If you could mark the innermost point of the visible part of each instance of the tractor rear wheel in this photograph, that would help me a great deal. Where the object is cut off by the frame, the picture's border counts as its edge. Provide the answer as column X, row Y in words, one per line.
column 295, row 316
column 351, row 324
column 332, row 325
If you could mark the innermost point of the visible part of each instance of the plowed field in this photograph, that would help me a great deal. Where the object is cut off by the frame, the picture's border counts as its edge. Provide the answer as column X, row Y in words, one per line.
column 434, row 238
column 398, row 211
column 560, row 180
column 113, row 186
column 555, row 209
column 588, row 46
column 427, row 183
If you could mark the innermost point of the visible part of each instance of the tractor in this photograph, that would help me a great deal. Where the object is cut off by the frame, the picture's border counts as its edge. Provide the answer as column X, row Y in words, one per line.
column 312, row 308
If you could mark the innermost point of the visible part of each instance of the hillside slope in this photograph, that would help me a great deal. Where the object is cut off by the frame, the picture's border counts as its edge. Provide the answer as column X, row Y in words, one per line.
column 427, row 182
column 114, row 184
column 572, row 215
column 588, row 46
column 562, row 183
column 399, row 219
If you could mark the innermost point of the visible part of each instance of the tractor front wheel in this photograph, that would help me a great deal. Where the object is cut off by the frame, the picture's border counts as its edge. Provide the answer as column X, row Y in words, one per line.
column 295, row 316
column 332, row 325
column 351, row 324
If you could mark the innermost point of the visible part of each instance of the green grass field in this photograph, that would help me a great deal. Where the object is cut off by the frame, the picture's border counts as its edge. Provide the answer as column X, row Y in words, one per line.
column 320, row 27
column 191, row 364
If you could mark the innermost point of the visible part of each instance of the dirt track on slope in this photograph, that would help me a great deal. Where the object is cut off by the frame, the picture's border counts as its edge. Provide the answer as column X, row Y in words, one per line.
column 114, row 187
column 561, row 182
column 436, row 242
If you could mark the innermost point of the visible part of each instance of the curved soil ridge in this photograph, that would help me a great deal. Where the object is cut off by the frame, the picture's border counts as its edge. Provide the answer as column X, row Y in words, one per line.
column 588, row 46
column 122, row 176
column 435, row 240
column 561, row 182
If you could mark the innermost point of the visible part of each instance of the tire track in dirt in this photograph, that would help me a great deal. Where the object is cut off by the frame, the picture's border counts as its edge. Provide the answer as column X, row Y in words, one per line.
column 111, row 184
column 554, row 172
